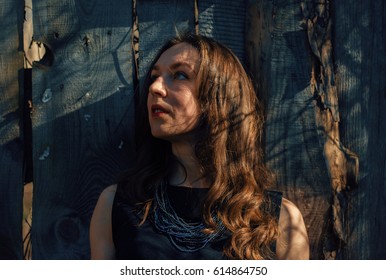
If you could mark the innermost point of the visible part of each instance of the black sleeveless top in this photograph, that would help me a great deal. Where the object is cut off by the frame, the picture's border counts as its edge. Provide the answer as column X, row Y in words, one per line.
column 146, row 242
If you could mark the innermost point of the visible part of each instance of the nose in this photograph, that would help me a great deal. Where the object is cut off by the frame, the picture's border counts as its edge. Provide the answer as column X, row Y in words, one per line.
column 158, row 87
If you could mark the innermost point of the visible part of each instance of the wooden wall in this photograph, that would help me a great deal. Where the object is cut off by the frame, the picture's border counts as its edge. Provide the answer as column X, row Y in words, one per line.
column 277, row 33
column 318, row 67
column 82, row 117
column 11, row 146
column 360, row 48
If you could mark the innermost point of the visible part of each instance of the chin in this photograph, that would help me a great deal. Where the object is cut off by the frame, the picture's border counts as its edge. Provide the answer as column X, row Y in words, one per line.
column 164, row 135
column 160, row 134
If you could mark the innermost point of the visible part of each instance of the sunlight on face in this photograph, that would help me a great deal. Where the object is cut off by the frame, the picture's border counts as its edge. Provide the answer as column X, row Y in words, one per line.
column 172, row 99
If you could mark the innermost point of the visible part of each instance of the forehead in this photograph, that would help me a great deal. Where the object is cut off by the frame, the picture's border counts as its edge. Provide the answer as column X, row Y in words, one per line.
column 182, row 53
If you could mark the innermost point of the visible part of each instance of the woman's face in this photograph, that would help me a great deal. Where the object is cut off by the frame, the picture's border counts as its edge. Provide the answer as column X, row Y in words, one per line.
column 172, row 98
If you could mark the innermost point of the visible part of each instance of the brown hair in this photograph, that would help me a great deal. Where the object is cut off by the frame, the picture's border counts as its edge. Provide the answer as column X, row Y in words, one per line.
column 228, row 149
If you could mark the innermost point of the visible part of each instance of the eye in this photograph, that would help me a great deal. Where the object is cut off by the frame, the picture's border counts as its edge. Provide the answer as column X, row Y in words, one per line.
column 180, row 76
column 153, row 77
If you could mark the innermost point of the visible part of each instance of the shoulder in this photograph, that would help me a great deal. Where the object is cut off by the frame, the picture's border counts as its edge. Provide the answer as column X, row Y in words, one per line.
column 292, row 242
column 107, row 195
column 104, row 204
column 101, row 240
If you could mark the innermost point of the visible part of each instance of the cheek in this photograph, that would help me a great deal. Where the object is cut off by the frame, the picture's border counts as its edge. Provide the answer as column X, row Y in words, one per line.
column 148, row 102
column 188, row 106
column 195, row 109
column 193, row 112
column 195, row 106
column 148, row 99
column 189, row 102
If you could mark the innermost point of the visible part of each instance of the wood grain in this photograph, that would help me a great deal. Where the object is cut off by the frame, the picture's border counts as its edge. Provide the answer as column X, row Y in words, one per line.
column 225, row 22
column 11, row 144
column 279, row 57
column 158, row 21
column 82, row 118
column 359, row 49
column 83, row 110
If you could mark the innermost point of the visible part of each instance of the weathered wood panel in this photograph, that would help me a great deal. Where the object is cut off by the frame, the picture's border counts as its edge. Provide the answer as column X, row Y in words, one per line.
column 11, row 144
column 325, row 104
column 158, row 21
column 359, row 49
column 82, row 117
column 342, row 164
column 279, row 56
column 224, row 20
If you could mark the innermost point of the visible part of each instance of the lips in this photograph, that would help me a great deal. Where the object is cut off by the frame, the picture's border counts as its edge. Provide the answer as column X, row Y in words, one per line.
column 157, row 110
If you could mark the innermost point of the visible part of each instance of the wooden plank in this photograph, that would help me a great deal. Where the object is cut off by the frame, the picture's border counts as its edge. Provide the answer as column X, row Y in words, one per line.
column 359, row 49
column 224, row 20
column 11, row 145
column 82, row 118
column 158, row 21
column 279, row 58
column 342, row 164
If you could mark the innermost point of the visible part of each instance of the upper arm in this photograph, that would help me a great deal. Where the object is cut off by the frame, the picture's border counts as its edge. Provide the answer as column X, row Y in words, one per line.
column 292, row 242
column 101, row 238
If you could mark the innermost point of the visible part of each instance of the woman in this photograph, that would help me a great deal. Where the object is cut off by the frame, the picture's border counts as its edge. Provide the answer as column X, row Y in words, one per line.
column 198, row 188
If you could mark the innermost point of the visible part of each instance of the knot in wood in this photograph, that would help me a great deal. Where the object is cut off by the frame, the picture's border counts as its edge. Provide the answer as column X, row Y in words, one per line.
column 67, row 229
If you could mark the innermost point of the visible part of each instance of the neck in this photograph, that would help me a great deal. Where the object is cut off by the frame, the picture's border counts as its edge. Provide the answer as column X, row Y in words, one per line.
column 189, row 174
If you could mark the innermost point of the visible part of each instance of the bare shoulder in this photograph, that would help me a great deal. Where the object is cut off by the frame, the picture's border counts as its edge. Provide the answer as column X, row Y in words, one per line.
column 293, row 241
column 101, row 240
column 104, row 204
column 103, row 207
column 107, row 195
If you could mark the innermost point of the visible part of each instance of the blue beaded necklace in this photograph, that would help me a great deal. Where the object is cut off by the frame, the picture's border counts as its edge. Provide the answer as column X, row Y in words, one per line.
column 185, row 236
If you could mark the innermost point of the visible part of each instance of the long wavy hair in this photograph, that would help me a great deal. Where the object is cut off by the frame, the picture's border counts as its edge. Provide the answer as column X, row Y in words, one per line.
column 228, row 150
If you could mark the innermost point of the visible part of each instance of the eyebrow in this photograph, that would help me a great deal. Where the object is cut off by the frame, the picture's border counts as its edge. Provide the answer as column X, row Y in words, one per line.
column 174, row 66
